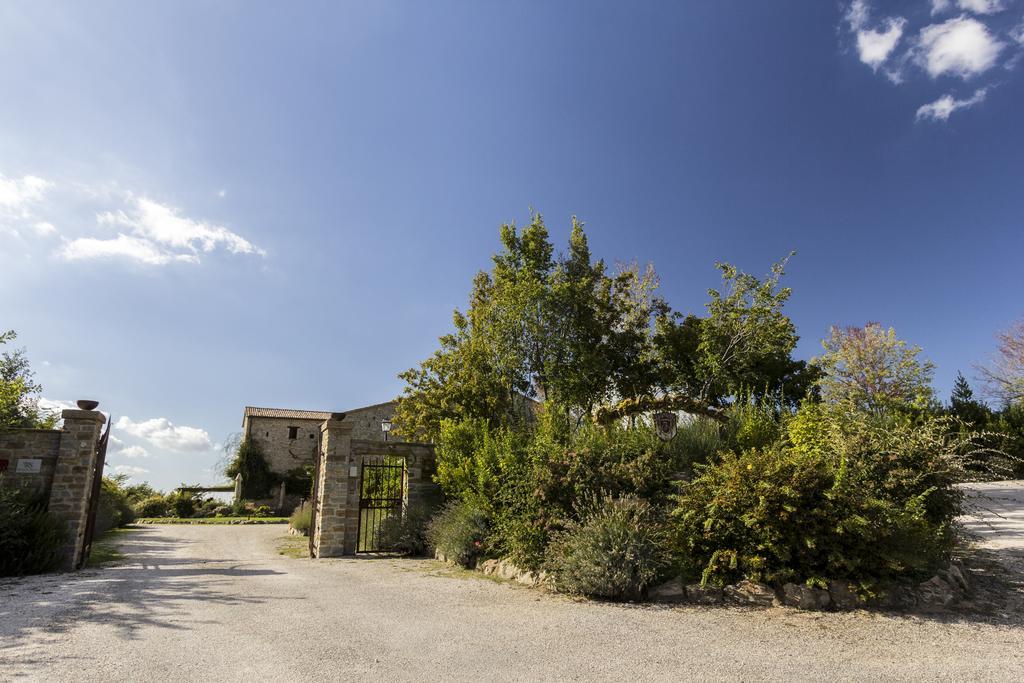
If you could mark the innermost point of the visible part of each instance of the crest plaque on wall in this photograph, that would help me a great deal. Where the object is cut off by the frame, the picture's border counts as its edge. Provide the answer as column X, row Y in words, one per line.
column 665, row 425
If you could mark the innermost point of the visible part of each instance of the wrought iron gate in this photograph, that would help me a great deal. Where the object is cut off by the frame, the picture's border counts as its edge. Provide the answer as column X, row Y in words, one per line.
column 381, row 496
column 94, row 496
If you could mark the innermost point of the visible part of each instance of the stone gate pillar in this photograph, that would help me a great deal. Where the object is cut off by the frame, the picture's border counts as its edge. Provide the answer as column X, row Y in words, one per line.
column 73, row 478
column 335, row 525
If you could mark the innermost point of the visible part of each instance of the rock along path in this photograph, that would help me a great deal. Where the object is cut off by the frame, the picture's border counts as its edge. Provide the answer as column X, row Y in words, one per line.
column 220, row 603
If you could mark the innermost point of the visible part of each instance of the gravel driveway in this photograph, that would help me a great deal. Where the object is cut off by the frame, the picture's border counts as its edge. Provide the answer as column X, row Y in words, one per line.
column 220, row 603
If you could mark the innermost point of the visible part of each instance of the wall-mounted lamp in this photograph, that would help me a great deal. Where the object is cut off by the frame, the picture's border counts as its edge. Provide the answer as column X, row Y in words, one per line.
column 385, row 426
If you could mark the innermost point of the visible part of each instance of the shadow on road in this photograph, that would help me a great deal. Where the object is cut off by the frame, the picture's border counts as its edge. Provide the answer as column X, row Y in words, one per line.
column 153, row 588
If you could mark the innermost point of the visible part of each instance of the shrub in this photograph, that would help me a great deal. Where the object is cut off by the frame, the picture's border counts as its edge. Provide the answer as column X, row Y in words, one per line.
column 153, row 506
column 846, row 495
column 697, row 440
column 302, row 519
column 114, row 509
column 182, row 503
column 263, row 511
column 222, row 511
column 616, row 550
column 31, row 539
column 459, row 532
column 405, row 533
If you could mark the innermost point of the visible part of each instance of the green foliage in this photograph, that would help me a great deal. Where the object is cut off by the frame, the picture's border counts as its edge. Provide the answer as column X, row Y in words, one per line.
column 459, row 532
column 114, row 508
column 31, row 539
column 302, row 518
column 846, row 494
column 152, row 506
column 697, row 439
column 874, row 370
column 257, row 479
column 183, row 503
column 406, row 533
column 616, row 549
column 751, row 424
column 19, row 393
column 298, row 481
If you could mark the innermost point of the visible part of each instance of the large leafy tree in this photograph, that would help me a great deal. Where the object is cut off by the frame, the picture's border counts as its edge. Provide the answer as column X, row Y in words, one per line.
column 558, row 329
column 743, row 346
column 873, row 369
column 563, row 330
column 19, row 392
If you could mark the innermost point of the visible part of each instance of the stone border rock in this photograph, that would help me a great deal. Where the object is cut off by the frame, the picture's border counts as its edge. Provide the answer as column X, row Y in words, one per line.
column 943, row 590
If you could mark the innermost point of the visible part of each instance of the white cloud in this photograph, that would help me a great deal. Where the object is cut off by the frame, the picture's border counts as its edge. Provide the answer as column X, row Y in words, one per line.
column 940, row 109
column 222, row 193
column 130, row 470
column 1017, row 33
column 55, row 406
column 17, row 193
column 960, row 47
column 162, row 433
column 133, row 452
column 44, row 228
column 976, row 6
column 857, row 15
column 875, row 46
column 158, row 235
column 134, row 248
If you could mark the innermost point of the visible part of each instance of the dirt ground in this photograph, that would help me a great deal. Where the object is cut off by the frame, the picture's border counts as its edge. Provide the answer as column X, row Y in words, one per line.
column 223, row 603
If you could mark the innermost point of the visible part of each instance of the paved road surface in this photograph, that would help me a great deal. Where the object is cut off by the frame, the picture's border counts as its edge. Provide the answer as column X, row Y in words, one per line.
column 218, row 603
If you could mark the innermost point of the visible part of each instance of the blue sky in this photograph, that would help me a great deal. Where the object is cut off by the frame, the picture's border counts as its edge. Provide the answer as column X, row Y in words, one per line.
column 209, row 205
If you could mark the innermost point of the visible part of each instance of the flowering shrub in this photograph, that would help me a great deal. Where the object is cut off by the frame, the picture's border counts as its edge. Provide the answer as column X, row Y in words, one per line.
column 616, row 550
column 459, row 532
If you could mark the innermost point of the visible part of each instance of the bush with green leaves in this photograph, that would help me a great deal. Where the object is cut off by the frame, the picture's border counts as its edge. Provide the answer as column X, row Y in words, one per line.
column 31, row 539
column 114, row 508
column 459, row 532
column 405, row 533
column 183, row 503
column 845, row 495
column 153, row 506
column 615, row 549
column 302, row 518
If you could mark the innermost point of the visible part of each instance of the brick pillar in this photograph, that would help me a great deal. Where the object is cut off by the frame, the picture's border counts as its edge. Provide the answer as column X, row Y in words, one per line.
column 336, row 524
column 73, row 477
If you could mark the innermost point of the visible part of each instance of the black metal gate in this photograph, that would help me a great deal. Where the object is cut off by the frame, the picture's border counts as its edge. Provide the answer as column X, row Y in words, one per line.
column 94, row 496
column 381, row 497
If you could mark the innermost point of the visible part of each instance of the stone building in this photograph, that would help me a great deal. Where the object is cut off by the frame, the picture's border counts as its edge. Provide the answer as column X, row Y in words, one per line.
column 288, row 438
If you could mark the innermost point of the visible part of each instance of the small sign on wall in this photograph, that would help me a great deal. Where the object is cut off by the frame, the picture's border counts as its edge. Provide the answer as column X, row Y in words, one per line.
column 29, row 466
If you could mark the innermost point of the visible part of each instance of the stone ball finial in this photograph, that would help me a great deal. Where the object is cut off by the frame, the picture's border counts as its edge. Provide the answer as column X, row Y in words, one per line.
column 86, row 404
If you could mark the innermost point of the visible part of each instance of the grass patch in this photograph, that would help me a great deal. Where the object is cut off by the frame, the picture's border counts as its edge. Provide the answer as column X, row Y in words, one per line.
column 293, row 546
column 106, row 549
column 212, row 520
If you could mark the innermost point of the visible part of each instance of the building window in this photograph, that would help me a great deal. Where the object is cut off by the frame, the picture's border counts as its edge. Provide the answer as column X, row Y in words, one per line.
column 293, row 432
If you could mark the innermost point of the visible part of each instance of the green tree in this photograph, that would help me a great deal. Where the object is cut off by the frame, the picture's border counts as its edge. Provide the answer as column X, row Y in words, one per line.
column 19, row 392
column 557, row 329
column 741, row 348
column 963, row 405
column 873, row 369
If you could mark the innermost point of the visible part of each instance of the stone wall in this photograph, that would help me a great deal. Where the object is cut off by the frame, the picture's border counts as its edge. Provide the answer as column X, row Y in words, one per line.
column 66, row 461
column 38, row 448
column 283, row 453
column 335, row 527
